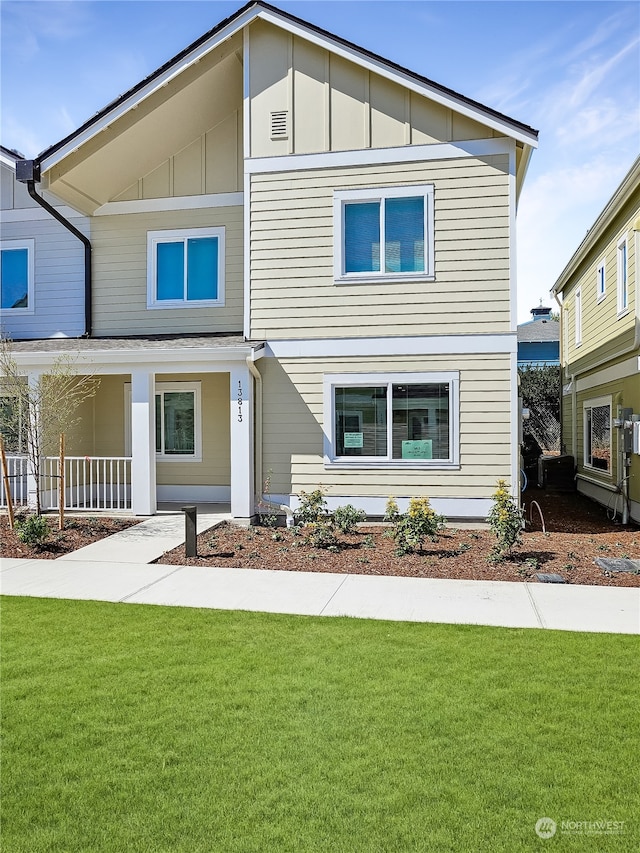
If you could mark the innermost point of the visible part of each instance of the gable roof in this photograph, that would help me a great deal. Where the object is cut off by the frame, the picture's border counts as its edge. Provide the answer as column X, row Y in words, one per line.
column 9, row 156
column 538, row 331
column 243, row 17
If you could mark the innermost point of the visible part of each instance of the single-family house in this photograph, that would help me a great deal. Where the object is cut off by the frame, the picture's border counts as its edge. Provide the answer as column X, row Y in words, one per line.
column 600, row 354
column 303, row 273
column 539, row 339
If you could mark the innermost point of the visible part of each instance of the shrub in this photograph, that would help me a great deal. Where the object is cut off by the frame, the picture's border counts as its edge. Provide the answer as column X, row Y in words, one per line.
column 347, row 517
column 410, row 529
column 33, row 530
column 313, row 507
column 505, row 521
column 320, row 534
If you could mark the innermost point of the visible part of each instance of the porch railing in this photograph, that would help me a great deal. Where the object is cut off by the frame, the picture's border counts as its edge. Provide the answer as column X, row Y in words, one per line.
column 17, row 471
column 96, row 483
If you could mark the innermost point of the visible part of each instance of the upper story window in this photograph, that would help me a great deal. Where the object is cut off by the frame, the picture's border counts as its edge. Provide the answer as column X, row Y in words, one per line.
column 17, row 275
column 392, row 420
column 623, row 282
column 601, row 282
column 185, row 268
column 578, row 317
column 383, row 234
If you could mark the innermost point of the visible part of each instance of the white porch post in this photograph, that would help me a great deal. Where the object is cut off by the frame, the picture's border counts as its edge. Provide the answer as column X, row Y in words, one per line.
column 33, row 379
column 143, row 447
column 242, row 476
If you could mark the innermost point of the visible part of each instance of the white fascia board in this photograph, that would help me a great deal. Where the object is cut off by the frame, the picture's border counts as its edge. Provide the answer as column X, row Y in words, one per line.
column 183, row 360
column 155, row 205
column 32, row 214
column 404, row 79
column 8, row 161
column 379, row 156
column 157, row 83
column 513, row 266
column 428, row 345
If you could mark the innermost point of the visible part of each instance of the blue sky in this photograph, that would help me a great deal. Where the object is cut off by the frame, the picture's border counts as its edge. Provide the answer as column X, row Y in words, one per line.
column 569, row 69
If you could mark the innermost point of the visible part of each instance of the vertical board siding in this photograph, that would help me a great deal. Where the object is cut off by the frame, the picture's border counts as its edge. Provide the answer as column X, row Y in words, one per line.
column 120, row 274
column 293, row 418
column 293, row 292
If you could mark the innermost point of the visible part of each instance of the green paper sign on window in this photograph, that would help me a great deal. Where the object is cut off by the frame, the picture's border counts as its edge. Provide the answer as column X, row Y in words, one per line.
column 353, row 439
column 417, row 449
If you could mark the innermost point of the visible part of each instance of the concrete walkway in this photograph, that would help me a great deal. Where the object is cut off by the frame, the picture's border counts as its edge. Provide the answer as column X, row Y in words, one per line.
column 117, row 569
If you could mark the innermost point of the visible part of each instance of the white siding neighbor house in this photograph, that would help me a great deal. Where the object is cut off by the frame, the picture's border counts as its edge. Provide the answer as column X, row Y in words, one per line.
column 303, row 272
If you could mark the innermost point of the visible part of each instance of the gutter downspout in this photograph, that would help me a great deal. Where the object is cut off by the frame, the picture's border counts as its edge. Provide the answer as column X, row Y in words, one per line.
column 561, row 345
column 27, row 172
column 253, row 370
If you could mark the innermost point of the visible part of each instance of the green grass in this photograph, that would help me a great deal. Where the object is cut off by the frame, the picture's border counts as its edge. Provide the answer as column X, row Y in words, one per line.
column 132, row 728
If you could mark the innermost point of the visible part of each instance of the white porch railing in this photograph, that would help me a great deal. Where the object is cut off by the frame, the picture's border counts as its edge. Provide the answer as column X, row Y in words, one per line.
column 96, row 483
column 17, row 470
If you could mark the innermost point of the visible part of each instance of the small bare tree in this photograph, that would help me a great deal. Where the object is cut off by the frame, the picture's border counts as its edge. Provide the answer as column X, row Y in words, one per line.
column 35, row 411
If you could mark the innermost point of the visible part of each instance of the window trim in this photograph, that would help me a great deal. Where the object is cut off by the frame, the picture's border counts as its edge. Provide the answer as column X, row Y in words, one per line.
column 343, row 197
column 355, row 380
column 578, row 317
column 601, row 281
column 161, row 387
column 154, row 238
column 622, row 251
column 594, row 403
column 29, row 244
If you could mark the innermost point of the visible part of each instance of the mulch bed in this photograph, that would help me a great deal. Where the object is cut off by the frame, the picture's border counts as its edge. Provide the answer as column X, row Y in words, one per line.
column 577, row 532
column 78, row 532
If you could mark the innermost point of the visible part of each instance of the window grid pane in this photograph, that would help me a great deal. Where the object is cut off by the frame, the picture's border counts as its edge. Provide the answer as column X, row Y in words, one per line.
column 14, row 278
column 598, row 437
column 361, row 421
column 179, row 423
column 404, row 234
column 362, row 237
column 170, row 271
column 202, row 268
column 421, row 421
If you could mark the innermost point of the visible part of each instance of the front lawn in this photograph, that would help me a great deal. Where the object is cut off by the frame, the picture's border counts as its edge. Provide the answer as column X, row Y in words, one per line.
column 133, row 728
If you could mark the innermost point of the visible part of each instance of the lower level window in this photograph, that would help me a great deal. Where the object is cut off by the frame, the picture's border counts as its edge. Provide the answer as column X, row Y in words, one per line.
column 395, row 418
column 178, row 429
column 597, row 434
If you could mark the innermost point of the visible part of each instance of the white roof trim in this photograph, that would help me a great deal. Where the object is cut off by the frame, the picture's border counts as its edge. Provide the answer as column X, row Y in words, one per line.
column 350, row 53
column 8, row 161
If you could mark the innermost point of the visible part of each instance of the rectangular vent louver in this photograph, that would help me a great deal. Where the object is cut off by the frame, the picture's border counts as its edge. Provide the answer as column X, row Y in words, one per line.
column 279, row 124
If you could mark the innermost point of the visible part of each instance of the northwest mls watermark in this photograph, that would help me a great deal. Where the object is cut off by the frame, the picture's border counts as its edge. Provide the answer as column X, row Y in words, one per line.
column 546, row 827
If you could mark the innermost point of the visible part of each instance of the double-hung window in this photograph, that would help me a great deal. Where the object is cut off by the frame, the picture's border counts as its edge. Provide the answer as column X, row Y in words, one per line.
column 623, row 283
column 597, row 434
column 383, row 234
column 578, row 317
column 392, row 420
column 17, row 275
column 178, row 424
column 185, row 268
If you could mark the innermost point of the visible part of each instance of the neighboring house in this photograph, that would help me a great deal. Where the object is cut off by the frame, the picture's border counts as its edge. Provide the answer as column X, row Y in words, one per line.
column 42, row 265
column 303, row 272
column 600, row 317
column 539, row 340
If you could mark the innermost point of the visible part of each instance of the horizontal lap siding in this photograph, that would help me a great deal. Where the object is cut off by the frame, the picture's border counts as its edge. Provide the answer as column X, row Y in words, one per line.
column 293, row 417
column 120, row 274
column 292, row 251
column 59, row 281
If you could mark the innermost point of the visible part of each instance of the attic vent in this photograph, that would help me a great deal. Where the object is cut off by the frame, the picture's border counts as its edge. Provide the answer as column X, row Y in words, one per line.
column 279, row 124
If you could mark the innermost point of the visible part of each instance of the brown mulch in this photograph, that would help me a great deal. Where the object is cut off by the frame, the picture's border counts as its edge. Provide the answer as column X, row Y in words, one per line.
column 577, row 531
column 78, row 531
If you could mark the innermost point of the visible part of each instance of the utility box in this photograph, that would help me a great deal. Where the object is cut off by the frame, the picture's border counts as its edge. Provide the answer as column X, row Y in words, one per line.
column 557, row 473
column 27, row 170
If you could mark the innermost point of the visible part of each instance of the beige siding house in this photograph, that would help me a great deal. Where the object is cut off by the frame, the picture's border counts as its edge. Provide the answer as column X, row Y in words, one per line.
column 600, row 354
column 303, row 272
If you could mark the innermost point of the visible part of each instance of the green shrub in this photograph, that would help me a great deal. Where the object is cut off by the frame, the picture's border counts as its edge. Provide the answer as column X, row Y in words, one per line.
column 410, row 529
column 313, row 507
column 346, row 518
column 320, row 534
column 33, row 530
column 505, row 521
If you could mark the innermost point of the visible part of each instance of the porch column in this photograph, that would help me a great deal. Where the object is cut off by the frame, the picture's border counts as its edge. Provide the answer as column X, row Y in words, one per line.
column 143, row 445
column 33, row 380
column 242, row 478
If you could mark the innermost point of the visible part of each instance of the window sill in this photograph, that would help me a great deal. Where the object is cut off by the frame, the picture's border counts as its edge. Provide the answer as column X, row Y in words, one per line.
column 396, row 465
column 600, row 472
column 196, row 303
column 601, row 298
column 387, row 278
column 623, row 313
column 176, row 458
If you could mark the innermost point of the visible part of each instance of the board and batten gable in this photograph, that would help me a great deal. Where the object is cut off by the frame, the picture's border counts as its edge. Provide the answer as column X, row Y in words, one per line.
column 293, row 243
column 120, row 243
column 57, row 308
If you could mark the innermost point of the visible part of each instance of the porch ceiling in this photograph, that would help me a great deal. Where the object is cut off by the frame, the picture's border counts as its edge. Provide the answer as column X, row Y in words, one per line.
column 145, row 136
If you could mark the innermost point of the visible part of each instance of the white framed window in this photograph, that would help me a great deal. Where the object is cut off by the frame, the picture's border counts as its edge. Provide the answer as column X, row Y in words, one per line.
column 178, row 421
column 597, row 434
column 383, row 234
column 622, row 277
column 578, row 317
column 17, row 265
column 12, row 423
column 601, row 281
column 185, row 267
column 392, row 420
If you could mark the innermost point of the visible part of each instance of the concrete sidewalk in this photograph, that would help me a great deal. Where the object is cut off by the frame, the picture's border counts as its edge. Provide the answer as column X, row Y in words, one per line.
column 498, row 603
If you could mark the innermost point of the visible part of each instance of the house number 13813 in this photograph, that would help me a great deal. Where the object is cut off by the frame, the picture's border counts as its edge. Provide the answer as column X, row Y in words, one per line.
column 239, row 402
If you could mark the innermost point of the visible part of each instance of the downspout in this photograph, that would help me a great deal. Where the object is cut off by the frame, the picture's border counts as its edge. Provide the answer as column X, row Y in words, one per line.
column 560, row 346
column 28, row 172
column 253, row 370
